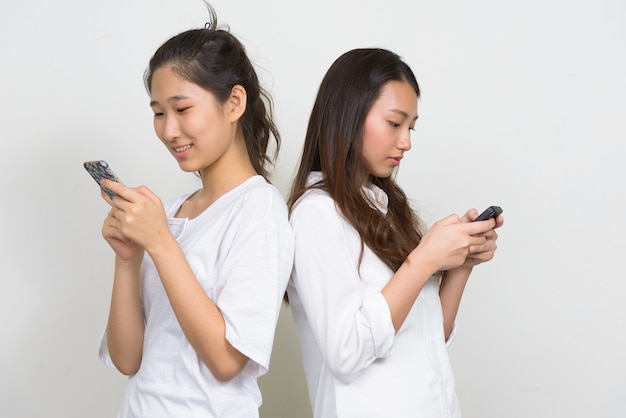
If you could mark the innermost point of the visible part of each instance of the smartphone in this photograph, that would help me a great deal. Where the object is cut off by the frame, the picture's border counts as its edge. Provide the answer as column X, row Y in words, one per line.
column 490, row 212
column 100, row 170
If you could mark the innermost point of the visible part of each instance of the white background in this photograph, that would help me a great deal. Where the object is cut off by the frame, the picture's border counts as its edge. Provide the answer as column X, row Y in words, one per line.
column 523, row 105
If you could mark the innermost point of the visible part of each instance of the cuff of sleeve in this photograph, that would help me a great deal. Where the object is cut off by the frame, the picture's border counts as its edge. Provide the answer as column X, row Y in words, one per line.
column 103, row 351
column 451, row 337
column 378, row 316
column 259, row 362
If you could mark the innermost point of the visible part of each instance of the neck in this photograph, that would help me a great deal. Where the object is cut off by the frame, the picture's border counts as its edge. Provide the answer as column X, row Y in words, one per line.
column 226, row 174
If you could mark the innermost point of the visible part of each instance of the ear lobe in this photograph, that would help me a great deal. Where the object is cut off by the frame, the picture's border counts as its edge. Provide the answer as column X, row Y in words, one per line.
column 237, row 102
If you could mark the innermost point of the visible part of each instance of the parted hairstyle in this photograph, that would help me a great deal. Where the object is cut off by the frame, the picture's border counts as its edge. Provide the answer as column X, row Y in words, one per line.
column 333, row 145
column 215, row 60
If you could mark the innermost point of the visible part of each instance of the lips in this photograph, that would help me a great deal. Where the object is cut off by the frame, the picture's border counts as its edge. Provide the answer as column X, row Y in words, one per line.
column 395, row 161
column 181, row 149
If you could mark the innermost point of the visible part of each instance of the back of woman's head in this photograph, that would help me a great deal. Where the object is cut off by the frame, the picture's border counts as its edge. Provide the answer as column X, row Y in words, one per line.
column 333, row 145
column 215, row 60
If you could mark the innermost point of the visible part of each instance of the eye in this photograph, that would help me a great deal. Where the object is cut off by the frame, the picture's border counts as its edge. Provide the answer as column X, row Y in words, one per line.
column 158, row 114
column 182, row 109
column 394, row 124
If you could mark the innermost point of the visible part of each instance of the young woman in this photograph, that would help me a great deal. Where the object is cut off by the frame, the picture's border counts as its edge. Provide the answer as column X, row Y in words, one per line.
column 198, row 283
column 374, row 298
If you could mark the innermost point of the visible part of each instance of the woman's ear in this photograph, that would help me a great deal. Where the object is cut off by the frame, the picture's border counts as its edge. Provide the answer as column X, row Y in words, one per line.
column 236, row 103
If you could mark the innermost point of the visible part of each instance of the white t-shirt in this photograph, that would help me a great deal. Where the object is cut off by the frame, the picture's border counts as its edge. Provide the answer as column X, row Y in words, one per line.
column 354, row 364
column 241, row 251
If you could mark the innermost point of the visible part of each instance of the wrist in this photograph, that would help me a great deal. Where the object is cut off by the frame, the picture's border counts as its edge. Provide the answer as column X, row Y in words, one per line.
column 458, row 273
column 130, row 265
column 162, row 245
column 418, row 265
column 135, row 259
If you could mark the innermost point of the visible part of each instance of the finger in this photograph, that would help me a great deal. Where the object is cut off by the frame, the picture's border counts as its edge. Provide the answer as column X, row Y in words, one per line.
column 475, row 228
column 476, row 241
column 449, row 220
column 478, row 259
column 112, row 230
column 106, row 197
column 490, row 235
column 119, row 189
column 111, row 223
column 469, row 216
column 147, row 193
column 481, row 257
column 481, row 250
column 486, row 247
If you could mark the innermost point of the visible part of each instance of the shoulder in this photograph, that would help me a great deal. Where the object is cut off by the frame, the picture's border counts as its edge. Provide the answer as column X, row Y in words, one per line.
column 314, row 205
column 258, row 191
column 313, row 198
column 258, row 199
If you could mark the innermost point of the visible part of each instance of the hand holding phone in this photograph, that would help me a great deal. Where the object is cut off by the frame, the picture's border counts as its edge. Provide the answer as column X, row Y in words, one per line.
column 490, row 212
column 99, row 170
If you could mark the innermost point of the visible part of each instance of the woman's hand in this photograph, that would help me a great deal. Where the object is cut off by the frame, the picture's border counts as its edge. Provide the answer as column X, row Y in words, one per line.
column 451, row 240
column 137, row 219
column 484, row 252
column 124, row 248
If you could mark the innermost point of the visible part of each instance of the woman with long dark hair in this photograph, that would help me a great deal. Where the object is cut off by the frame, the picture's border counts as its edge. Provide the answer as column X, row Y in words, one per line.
column 373, row 294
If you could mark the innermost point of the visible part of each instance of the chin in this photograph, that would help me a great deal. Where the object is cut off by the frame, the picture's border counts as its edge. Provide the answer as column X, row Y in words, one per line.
column 384, row 175
column 187, row 168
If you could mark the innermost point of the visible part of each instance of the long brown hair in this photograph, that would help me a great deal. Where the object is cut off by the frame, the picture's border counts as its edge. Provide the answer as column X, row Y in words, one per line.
column 333, row 146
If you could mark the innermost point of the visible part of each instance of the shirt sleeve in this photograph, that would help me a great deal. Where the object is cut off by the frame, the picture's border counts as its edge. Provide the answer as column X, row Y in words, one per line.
column 103, row 350
column 452, row 336
column 255, row 274
column 350, row 320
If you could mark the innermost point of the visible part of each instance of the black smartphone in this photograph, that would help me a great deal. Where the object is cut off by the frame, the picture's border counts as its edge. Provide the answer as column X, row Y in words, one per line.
column 490, row 212
column 100, row 170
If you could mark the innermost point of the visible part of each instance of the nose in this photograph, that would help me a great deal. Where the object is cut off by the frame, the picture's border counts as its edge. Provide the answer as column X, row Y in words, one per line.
column 169, row 128
column 404, row 142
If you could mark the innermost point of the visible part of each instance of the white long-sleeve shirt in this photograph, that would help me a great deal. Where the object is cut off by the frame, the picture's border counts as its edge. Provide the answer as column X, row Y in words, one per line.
column 355, row 364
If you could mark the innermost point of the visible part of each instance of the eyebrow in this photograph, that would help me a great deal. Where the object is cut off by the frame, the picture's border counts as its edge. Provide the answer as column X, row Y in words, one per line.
column 171, row 99
column 403, row 113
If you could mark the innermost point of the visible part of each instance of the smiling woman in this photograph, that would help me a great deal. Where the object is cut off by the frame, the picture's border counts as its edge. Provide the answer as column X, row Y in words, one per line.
column 177, row 325
column 201, row 132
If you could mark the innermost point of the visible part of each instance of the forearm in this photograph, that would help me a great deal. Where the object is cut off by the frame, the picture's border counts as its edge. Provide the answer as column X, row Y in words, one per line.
column 125, row 328
column 404, row 287
column 450, row 292
column 199, row 318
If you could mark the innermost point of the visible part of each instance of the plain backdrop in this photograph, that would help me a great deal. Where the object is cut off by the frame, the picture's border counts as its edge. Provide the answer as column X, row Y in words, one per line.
column 523, row 106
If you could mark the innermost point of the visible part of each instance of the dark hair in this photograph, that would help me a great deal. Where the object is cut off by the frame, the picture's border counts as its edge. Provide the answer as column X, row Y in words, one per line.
column 333, row 146
column 215, row 60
